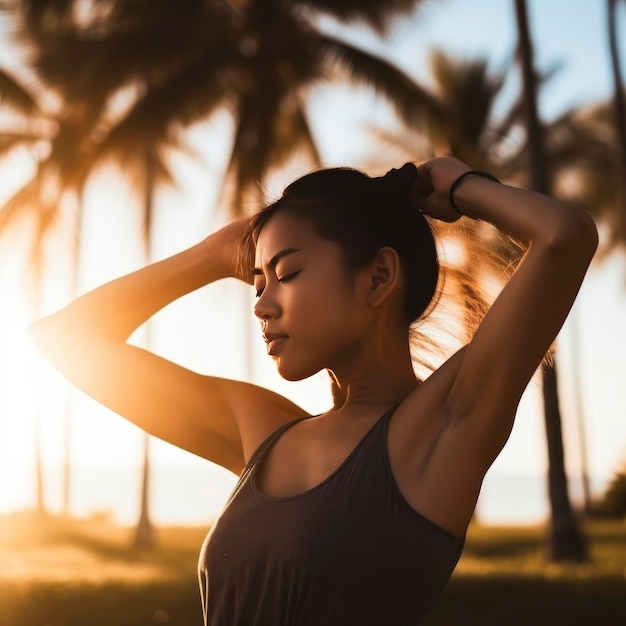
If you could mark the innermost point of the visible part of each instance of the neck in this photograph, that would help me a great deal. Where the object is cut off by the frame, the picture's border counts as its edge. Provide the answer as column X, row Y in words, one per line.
column 375, row 377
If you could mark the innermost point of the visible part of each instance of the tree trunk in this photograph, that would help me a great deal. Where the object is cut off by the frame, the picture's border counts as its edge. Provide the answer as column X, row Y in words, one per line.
column 40, row 501
column 565, row 541
column 144, row 531
column 68, row 414
column 619, row 105
column 66, row 468
column 565, row 538
column 580, row 411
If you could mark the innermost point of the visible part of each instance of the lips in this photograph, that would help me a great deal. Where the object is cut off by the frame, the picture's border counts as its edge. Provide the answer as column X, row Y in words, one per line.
column 274, row 341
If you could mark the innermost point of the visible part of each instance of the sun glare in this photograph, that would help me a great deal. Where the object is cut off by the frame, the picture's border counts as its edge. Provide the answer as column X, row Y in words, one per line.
column 17, row 365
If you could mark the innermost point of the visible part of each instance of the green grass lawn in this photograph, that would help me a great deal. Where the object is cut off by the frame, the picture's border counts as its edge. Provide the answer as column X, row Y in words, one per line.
column 78, row 573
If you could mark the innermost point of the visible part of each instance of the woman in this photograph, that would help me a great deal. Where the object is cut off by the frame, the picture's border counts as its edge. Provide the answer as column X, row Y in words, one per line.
column 356, row 516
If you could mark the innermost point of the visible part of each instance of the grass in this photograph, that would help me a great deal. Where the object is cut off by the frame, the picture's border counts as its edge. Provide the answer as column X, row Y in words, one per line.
column 75, row 573
column 78, row 573
column 503, row 578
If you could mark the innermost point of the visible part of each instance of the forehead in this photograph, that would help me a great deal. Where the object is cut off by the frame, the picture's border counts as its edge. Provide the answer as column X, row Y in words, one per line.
column 285, row 230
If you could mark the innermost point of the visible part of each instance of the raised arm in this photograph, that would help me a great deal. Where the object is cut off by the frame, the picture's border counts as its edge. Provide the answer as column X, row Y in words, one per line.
column 493, row 370
column 218, row 419
column 458, row 420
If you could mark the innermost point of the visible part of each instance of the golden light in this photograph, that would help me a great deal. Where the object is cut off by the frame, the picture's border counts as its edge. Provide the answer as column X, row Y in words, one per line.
column 17, row 359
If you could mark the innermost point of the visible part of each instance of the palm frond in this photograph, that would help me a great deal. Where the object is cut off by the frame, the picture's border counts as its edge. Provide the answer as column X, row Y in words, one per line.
column 15, row 96
column 253, row 145
column 292, row 132
column 190, row 96
column 10, row 141
column 379, row 14
column 399, row 146
column 24, row 202
column 585, row 162
column 467, row 91
column 134, row 41
column 414, row 105
column 264, row 138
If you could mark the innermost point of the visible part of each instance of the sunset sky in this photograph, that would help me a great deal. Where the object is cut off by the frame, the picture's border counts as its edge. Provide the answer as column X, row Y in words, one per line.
column 202, row 333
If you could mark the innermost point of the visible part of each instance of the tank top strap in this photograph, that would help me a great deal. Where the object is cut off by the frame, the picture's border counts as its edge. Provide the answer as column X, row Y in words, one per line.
column 244, row 477
column 268, row 442
column 382, row 424
column 375, row 436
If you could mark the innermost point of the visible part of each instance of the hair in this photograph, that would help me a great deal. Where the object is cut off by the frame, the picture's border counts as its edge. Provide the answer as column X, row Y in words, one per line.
column 363, row 214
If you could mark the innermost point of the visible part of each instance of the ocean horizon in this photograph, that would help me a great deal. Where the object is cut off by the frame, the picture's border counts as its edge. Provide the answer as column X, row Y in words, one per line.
column 195, row 497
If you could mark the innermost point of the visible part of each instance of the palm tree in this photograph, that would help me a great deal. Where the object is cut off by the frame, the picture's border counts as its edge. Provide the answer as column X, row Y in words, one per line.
column 583, row 155
column 619, row 103
column 23, row 104
column 144, row 531
column 257, row 58
column 17, row 99
column 566, row 541
column 581, row 145
column 58, row 175
column 184, row 61
column 75, row 153
column 466, row 92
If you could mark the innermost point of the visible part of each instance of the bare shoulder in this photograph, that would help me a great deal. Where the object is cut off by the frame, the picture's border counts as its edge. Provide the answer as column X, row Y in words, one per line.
column 257, row 412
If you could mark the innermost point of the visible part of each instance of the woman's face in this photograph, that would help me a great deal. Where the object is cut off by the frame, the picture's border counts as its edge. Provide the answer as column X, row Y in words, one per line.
column 313, row 314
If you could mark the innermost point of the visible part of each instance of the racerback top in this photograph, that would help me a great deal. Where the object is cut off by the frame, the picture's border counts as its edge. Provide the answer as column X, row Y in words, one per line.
column 349, row 551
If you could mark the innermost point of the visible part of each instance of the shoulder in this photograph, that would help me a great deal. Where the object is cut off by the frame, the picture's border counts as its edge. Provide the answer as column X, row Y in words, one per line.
column 258, row 412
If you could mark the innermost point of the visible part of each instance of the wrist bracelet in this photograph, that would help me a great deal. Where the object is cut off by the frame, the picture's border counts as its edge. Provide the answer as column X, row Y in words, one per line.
column 460, row 179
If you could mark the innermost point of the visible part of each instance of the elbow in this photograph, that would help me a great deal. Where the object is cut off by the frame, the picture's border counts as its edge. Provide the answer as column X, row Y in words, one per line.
column 54, row 338
column 577, row 234
column 62, row 345
column 587, row 232
column 35, row 332
column 42, row 335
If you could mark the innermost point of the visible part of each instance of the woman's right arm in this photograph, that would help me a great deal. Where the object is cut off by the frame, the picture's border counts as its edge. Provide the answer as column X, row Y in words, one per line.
column 218, row 419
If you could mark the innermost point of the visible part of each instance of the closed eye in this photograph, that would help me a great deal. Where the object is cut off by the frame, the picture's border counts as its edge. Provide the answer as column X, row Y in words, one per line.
column 283, row 279
column 287, row 278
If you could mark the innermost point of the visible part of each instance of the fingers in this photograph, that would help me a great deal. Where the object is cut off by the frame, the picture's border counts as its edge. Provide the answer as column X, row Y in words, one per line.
column 431, row 187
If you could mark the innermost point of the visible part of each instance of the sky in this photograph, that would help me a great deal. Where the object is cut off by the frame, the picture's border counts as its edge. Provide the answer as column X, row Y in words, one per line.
column 199, row 331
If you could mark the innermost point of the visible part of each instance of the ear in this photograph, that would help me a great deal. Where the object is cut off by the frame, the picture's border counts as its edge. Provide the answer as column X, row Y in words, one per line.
column 383, row 275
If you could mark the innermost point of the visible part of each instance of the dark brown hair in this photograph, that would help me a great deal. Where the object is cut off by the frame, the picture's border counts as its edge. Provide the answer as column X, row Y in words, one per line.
column 364, row 214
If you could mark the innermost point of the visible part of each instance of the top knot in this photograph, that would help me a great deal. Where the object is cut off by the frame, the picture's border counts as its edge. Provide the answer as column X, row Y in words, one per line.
column 399, row 180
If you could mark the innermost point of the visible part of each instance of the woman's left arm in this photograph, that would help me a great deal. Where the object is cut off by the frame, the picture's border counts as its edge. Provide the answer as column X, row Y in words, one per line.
column 522, row 323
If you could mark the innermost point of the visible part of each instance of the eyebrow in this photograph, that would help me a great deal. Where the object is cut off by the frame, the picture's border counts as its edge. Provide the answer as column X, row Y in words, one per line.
column 277, row 257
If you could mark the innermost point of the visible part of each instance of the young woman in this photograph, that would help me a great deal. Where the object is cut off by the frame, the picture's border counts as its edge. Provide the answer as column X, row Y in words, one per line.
column 356, row 516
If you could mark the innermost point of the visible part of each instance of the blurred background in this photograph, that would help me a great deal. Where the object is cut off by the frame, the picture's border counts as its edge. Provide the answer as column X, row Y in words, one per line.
column 131, row 129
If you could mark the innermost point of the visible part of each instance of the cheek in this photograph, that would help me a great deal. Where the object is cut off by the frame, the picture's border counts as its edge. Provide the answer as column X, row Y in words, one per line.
column 327, row 314
column 322, row 323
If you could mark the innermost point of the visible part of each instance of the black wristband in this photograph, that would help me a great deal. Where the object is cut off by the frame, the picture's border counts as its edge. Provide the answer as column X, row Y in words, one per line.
column 460, row 179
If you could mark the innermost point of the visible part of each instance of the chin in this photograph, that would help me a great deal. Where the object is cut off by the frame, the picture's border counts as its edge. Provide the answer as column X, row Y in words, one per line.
column 294, row 374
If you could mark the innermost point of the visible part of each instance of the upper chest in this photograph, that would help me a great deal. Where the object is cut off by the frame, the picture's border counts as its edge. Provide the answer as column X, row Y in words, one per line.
column 316, row 449
column 310, row 452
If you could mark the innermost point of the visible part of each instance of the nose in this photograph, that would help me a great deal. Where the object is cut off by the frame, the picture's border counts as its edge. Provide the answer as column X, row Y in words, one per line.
column 266, row 307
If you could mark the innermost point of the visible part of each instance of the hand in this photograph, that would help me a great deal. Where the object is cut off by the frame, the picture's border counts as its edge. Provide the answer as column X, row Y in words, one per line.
column 432, row 187
column 225, row 248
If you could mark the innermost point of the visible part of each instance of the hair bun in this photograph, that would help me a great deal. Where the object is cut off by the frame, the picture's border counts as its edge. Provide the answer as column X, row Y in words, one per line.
column 400, row 179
